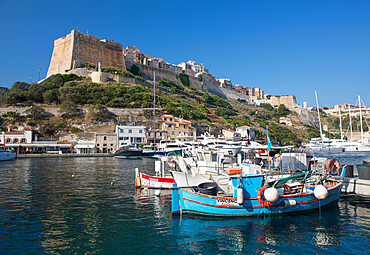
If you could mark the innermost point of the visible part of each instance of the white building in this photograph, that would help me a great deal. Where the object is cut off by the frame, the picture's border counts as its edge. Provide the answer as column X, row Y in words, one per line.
column 85, row 147
column 246, row 132
column 17, row 137
column 130, row 135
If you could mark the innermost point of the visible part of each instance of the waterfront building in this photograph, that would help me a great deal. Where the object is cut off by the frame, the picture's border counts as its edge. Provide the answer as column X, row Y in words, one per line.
column 246, row 133
column 159, row 135
column 129, row 134
column 178, row 128
column 106, row 142
column 85, row 147
column 22, row 143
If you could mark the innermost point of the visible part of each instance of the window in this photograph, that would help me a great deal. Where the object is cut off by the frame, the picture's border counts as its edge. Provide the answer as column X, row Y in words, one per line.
column 105, row 145
column 140, row 131
column 15, row 140
column 111, row 144
column 130, row 131
column 121, row 130
column 8, row 140
column 185, row 126
column 23, row 140
column 191, row 134
column 173, row 132
column 97, row 145
column 120, row 138
column 125, row 138
column 105, row 138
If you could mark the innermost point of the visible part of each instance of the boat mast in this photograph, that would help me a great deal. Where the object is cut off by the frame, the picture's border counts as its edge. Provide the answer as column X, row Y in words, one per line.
column 318, row 113
column 362, row 132
column 350, row 119
column 154, row 109
column 340, row 124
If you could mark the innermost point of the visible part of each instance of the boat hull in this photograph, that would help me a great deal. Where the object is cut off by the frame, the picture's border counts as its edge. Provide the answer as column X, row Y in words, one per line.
column 154, row 182
column 199, row 204
column 7, row 155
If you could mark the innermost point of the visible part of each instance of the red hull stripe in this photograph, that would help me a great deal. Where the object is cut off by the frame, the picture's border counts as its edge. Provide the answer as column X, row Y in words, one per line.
column 159, row 179
column 249, row 207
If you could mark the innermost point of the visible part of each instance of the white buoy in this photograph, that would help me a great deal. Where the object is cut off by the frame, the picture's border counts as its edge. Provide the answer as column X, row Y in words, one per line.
column 112, row 183
column 320, row 192
column 73, row 175
column 271, row 194
column 239, row 195
column 157, row 192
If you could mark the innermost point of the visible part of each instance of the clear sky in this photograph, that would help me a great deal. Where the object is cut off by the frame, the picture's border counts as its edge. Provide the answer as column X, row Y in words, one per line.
column 284, row 47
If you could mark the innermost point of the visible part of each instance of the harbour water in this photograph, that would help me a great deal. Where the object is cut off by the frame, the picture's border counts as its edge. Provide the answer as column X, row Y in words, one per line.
column 89, row 205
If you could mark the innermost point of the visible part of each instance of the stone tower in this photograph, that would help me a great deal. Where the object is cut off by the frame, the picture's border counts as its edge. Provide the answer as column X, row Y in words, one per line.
column 75, row 48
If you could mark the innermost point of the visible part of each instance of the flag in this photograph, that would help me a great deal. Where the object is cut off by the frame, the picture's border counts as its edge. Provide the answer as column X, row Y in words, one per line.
column 269, row 144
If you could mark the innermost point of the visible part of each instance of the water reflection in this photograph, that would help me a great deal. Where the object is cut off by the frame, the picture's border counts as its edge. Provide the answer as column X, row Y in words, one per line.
column 43, row 209
column 306, row 233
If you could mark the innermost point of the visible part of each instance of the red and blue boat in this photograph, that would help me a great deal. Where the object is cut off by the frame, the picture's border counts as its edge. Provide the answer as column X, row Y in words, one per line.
column 252, row 195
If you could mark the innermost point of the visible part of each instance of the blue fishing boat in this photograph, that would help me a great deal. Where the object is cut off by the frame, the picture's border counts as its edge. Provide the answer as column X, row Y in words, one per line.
column 252, row 195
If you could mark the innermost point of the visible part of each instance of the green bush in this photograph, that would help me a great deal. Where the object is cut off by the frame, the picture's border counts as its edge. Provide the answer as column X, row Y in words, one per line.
column 184, row 79
column 268, row 107
column 221, row 111
column 169, row 84
column 135, row 70
column 75, row 130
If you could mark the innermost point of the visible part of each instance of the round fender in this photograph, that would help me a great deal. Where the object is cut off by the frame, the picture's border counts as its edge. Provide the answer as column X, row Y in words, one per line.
column 260, row 197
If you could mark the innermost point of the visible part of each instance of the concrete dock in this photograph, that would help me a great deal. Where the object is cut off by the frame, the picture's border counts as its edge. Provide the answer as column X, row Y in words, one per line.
column 357, row 186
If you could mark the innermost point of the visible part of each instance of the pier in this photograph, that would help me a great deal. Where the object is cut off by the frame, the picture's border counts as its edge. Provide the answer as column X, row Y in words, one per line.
column 357, row 186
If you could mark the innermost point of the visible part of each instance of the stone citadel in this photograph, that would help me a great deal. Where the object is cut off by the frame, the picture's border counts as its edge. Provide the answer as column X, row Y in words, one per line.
column 73, row 50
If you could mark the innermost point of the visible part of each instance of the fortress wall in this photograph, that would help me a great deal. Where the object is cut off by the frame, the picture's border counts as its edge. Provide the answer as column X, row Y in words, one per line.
column 61, row 59
column 230, row 94
column 75, row 48
column 93, row 50
column 162, row 74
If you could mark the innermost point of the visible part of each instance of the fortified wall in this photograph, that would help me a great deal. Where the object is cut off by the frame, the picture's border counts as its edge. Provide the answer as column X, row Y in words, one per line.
column 72, row 50
column 75, row 48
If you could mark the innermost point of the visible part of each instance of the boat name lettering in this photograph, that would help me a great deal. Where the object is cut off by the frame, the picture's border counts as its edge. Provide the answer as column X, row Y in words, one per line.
column 226, row 201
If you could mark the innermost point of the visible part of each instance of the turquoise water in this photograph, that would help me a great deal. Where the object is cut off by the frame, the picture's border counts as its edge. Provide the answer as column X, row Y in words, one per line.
column 69, row 205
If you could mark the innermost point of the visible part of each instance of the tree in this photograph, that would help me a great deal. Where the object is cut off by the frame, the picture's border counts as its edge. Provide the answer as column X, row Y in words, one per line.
column 35, row 92
column 282, row 110
column 35, row 112
column 268, row 107
column 20, row 85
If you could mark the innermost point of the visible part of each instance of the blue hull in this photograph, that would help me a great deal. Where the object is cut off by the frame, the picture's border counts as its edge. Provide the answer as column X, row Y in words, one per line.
column 195, row 203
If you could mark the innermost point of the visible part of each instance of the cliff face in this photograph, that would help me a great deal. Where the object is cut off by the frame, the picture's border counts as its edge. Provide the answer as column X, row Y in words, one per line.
column 75, row 48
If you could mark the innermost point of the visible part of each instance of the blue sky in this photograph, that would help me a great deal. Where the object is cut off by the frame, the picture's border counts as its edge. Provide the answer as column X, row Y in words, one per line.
column 284, row 47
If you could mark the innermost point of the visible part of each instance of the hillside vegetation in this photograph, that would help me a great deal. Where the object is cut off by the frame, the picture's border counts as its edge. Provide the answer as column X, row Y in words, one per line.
column 68, row 92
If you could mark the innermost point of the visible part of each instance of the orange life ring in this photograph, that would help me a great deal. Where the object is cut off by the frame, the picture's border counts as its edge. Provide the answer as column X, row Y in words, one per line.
column 260, row 197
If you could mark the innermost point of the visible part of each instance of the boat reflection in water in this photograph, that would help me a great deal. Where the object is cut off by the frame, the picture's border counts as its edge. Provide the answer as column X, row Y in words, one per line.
column 277, row 234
